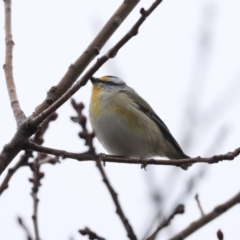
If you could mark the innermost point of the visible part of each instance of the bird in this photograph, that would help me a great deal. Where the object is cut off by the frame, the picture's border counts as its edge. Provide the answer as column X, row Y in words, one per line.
column 126, row 125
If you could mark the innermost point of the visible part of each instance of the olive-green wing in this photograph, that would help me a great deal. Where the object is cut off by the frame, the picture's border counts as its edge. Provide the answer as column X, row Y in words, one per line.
column 144, row 107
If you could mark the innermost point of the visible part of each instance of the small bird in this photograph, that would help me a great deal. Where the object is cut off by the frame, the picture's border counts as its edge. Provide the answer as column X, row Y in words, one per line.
column 126, row 125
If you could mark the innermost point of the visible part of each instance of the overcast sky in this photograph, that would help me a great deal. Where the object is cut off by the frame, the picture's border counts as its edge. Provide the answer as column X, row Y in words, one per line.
column 184, row 62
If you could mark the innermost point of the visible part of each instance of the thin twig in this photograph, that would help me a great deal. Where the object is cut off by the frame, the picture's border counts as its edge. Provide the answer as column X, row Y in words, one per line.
column 110, row 54
column 21, row 162
column 217, row 211
column 118, row 159
column 38, row 137
column 88, row 137
column 82, row 120
column 85, row 134
column 119, row 211
column 77, row 68
column 155, row 219
column 37, row 174
column 18, row 113
column 24, row 227
column 199, row 204
column 91, row 235
column 179, row 210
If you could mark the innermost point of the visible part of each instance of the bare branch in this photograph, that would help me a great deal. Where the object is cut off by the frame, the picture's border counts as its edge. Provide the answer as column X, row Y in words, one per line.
column 21, row 162
column 179, row 210
column 118, row 159
column 119, row 211
column 77, row 68
column 10, row 150
column 199, row 204
column 217, row 211
column 91, row 235
column 24, row 227
column 19, row 139
column 18, row 113
column 110, row 54
column 26, row 130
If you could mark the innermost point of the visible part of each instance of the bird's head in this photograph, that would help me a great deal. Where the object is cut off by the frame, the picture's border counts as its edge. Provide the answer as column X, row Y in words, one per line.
column 107, row 83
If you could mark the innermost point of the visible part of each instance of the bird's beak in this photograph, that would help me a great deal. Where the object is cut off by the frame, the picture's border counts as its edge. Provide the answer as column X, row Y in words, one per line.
column 93, row 80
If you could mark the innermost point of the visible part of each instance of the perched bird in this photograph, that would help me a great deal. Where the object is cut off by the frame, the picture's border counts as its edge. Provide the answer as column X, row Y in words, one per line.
column 125, row 123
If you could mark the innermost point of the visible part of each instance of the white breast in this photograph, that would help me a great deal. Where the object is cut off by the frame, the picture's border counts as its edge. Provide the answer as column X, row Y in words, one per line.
column 123, row 129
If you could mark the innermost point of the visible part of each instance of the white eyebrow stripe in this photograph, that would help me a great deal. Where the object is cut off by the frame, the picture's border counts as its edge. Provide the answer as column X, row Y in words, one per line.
column 112, row 80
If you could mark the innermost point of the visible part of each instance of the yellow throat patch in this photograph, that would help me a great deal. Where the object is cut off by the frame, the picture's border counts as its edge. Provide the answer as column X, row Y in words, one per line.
column 94, row 99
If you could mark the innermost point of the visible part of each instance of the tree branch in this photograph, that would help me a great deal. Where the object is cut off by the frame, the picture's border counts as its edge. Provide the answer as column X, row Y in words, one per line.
column 37, row 175
column 26, row 130
column 88, row 137
column 77, row 68
column 10, row 150
column 119, row 211
column 110, row 54
column 18, row 113
column 21, row 162
column 179, row 210
column 144, row 162
column 194, row 226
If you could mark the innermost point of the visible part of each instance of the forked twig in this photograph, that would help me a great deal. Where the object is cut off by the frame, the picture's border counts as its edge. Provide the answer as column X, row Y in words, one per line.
column 217, row 211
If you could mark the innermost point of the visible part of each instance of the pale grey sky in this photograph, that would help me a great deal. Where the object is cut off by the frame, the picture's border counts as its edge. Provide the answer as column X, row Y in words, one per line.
column 166, row 65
